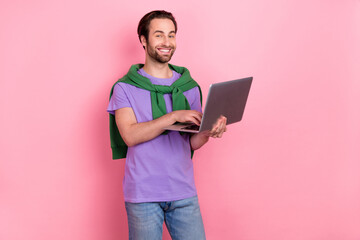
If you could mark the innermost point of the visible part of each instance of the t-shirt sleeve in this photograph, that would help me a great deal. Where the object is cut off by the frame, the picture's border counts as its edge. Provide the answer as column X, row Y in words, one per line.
column 196, row 103
column 118, row 99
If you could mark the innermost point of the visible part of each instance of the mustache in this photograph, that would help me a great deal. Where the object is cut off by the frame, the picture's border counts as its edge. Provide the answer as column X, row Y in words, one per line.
column 164, row 46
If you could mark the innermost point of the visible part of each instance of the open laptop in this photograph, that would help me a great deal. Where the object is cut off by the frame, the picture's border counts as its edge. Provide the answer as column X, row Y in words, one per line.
column 224, row 98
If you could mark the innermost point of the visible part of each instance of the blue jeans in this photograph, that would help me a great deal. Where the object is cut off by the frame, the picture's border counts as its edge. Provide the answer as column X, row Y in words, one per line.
column 182, row 218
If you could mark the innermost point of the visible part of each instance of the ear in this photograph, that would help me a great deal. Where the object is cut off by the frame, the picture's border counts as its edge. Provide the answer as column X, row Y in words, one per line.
column 143, row 40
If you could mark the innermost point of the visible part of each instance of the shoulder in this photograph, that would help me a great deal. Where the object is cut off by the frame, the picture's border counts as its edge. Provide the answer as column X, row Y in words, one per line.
column 120, row 84
column 125, row 88
column 179, row 69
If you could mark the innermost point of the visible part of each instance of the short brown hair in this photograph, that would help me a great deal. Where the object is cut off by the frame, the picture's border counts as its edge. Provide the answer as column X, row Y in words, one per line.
column 143, row 27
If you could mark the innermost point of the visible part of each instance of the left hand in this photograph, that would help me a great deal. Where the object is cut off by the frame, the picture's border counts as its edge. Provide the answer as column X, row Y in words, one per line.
column 218, row 128
column 199, row 139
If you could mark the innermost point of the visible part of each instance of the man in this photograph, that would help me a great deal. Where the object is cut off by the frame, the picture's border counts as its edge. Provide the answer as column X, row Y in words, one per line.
column 159, row 180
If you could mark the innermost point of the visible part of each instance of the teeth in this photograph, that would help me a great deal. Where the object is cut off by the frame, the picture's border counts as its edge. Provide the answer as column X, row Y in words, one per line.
column 165, row 50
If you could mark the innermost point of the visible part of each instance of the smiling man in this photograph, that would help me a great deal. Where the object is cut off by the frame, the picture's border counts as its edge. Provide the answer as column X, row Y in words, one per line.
column 159, row 177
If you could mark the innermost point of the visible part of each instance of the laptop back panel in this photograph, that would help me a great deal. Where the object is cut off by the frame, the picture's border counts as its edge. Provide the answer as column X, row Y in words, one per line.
column 227, row 99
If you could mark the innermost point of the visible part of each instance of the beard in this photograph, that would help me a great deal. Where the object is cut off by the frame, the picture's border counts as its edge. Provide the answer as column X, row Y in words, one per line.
column 160, row 58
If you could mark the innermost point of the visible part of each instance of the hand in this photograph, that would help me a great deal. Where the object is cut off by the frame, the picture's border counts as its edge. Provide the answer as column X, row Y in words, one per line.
column 199, row 139
column 218, row 128
column 187, row 116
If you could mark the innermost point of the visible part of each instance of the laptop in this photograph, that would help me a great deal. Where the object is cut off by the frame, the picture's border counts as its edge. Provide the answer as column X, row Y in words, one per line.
column 224, row 98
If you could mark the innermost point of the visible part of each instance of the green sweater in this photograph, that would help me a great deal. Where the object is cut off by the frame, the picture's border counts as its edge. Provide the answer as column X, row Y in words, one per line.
column 184, row 83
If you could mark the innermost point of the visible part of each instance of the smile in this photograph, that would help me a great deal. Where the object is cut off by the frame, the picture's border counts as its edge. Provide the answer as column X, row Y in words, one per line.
column 164, row 50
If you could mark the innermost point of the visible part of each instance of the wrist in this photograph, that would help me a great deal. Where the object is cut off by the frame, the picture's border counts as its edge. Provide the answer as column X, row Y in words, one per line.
column 172, row 117
column 204, row 136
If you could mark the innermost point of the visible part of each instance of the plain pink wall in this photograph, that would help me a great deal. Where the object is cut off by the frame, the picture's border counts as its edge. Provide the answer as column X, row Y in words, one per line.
column 289, row 170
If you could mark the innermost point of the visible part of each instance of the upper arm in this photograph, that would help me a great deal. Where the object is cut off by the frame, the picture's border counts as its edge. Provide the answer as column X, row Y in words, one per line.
column 125, row 117
column 120, row 106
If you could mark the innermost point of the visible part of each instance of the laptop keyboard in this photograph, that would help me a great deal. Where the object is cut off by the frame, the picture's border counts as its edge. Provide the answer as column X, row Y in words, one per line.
column 191, row 127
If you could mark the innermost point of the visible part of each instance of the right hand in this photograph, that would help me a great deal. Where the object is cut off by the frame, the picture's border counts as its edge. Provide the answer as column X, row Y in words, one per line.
column 187, row 116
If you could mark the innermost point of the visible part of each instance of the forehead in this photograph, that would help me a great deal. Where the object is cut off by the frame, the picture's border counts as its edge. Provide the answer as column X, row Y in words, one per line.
column 161, row 24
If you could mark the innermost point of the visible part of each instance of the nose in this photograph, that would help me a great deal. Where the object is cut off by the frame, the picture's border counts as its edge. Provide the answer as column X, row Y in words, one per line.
column 166, row 41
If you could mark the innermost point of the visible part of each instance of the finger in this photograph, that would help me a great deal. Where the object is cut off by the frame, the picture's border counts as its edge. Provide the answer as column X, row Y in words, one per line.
column 197, row 119
column 220, row 122
column 213, row 131
column 221, row 125
column 213, row 135
column 220, row 128
column 194, row 117
column 198, row 116
column 220, row 134
column 224, row 124
column 216, row 126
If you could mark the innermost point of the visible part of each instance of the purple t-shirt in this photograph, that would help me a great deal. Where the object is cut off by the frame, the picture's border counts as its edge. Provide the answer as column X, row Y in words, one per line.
column 160, row 169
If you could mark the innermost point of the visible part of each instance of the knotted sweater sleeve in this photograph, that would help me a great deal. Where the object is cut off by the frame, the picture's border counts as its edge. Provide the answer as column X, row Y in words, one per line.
column 118, row 99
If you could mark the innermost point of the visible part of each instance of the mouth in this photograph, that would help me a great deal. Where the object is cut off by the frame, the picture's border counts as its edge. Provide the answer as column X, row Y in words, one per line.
column 164, row 50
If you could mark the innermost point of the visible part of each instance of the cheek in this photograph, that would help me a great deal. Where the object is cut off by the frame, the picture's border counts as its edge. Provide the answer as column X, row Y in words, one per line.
column 151, row 41
column 155, row 43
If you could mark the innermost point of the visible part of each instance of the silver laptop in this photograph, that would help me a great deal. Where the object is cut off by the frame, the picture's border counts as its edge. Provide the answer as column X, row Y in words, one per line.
column 224, row 98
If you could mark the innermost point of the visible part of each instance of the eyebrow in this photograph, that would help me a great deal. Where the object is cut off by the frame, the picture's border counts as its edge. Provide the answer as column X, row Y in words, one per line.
column 159, row 31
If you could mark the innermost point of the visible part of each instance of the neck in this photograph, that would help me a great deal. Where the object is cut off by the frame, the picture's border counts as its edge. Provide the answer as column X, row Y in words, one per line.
column 156, row 69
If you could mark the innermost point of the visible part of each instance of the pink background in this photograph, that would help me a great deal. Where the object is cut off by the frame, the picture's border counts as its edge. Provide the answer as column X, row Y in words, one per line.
column 289, row 170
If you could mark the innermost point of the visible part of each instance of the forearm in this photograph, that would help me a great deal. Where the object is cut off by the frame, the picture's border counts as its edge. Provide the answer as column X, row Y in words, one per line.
column 136, row 133
column 198, row 140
